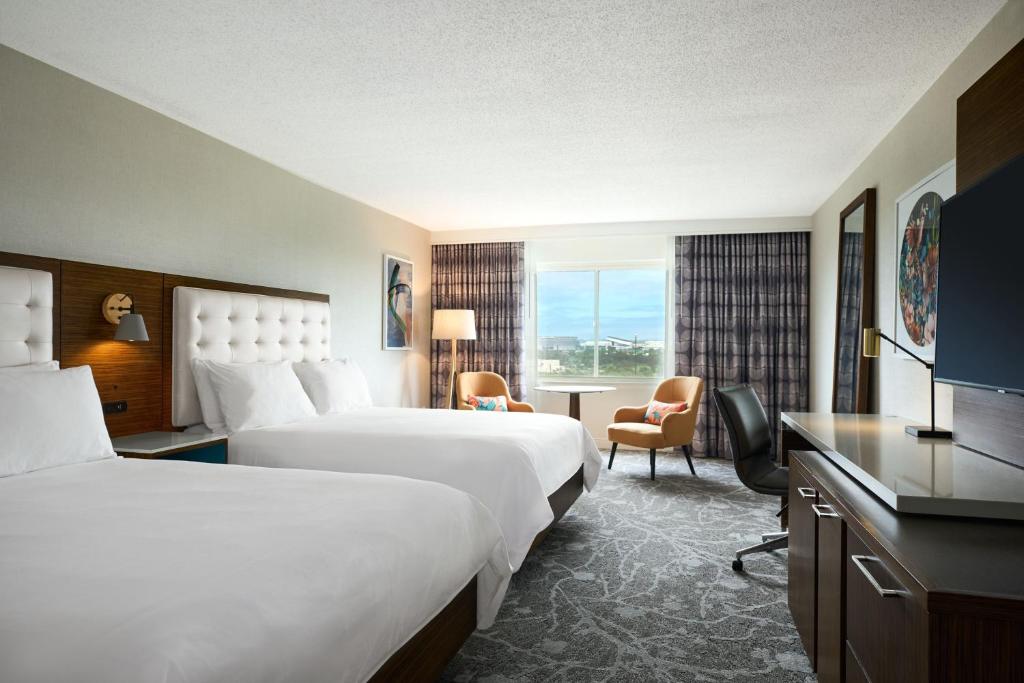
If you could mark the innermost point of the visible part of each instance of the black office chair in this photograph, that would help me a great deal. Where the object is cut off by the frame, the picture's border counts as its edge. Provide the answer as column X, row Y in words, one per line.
column 750, row 437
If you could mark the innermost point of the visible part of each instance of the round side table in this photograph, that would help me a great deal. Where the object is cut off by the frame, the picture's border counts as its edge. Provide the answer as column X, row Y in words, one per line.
column 574, row 391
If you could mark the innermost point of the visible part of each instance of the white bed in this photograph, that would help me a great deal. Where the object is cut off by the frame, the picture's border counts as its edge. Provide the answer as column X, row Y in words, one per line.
column 512, row 462
column 162, row 571
column 121, row 570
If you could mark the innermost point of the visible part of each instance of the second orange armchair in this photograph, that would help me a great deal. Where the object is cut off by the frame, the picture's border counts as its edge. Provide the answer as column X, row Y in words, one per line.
column 676, row 429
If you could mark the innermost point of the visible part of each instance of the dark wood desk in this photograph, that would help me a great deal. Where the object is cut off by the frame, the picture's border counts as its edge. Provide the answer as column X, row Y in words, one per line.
column 879, row 595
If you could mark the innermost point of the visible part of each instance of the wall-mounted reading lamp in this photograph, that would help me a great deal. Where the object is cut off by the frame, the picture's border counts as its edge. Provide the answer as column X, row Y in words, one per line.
column 119, row 309
column 872, row 347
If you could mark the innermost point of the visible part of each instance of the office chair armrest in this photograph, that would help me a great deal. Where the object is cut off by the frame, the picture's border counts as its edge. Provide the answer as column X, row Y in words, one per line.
column 630, row 414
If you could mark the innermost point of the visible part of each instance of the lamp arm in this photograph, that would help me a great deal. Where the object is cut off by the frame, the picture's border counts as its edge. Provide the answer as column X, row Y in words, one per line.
column 905, row 350
column 927, row 364
column 131, row 309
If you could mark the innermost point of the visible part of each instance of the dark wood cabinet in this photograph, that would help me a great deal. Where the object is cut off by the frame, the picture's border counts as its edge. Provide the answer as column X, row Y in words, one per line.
column 830, row 640
column 881, row 596
column 802, row 556
column 887, row 630
column 854, row 671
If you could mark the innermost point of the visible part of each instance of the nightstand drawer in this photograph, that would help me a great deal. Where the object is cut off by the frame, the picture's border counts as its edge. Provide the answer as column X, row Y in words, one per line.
column 173, row 446
column 216, row 453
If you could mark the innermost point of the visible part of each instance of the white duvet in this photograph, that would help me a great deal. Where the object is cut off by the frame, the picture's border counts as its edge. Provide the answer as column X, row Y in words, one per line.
column 510, row 461
column 128, row 570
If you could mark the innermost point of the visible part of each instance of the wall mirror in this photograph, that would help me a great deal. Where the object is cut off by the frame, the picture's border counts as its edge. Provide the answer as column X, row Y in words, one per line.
column 855, row 304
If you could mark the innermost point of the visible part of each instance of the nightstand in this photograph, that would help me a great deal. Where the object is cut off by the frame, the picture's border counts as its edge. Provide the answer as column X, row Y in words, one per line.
column 211, row 448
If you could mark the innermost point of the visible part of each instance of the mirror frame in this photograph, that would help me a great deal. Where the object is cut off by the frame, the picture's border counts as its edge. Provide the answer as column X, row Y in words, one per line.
column 867, row 301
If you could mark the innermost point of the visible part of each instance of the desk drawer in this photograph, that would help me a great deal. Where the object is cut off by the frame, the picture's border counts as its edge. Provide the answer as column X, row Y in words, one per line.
column 830, row 638
column 886, row 622
column 217, row 453
column 854, row 671
column 803, row 557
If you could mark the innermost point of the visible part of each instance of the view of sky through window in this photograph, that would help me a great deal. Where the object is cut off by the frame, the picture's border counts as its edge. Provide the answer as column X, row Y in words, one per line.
column 619, row 333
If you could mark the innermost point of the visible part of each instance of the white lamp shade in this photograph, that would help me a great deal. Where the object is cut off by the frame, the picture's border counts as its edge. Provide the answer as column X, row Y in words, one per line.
column 454, row 324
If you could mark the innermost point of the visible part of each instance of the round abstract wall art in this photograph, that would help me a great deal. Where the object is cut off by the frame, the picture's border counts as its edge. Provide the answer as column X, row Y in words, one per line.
column 919, row 269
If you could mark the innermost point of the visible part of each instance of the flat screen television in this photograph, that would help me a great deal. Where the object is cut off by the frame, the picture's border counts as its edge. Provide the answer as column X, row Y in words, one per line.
column 979, row 338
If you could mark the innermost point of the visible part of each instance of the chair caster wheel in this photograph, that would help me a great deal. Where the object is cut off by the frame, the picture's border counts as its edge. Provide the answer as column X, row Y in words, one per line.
column 737, row 565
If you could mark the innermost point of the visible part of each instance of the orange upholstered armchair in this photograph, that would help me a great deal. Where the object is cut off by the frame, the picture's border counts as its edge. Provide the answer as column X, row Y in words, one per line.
column 676, row 429
column 485, row 384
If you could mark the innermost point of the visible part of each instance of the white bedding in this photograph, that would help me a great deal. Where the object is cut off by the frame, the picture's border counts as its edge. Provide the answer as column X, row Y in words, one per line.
column 127, row 570
column 511, row 461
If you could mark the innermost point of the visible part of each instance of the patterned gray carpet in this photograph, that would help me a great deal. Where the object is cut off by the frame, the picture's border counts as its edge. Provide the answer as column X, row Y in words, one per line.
column 636, row 584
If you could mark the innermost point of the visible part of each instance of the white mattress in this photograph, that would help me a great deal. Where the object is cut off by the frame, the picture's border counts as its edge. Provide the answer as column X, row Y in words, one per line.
column 128, row 570
column 511, row 461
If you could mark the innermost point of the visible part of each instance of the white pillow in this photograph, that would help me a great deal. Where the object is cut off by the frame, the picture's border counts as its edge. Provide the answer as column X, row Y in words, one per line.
column 334, row 385
column 31, row 367
column 49, row 419
column 255, row 395
column 213, row 417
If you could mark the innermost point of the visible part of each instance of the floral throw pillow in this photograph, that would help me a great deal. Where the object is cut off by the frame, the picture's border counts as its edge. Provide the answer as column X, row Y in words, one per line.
column 656, row 411
column 497, row 404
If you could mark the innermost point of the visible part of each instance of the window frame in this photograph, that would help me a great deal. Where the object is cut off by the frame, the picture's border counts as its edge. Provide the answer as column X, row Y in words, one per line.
column 597, row 267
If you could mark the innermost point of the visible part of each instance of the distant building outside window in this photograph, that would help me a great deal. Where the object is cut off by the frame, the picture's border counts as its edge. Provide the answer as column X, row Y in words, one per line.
column 601, row 322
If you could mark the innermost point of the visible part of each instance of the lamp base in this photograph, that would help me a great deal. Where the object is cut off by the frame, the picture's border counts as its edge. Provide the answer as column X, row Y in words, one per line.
column 926, row 432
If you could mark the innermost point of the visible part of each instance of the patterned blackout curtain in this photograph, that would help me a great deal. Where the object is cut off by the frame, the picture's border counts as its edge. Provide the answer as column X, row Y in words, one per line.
column 742, row 317
column 490, row 279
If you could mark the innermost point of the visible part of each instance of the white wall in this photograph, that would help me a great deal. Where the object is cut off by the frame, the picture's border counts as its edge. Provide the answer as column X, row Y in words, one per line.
column 87, row 175
column 923, row 140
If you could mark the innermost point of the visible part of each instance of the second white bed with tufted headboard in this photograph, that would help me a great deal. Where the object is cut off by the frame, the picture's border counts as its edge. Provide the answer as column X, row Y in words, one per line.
column 136, row 570
column 526, row 468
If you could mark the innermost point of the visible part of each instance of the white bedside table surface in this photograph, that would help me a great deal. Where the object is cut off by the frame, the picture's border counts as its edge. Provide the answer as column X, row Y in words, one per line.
column 155, row 442
column 574, row 388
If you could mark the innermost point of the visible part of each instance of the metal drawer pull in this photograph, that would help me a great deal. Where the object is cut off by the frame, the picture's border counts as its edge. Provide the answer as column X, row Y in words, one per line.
column 860, row 561
column 806, row 492
column 824, row 510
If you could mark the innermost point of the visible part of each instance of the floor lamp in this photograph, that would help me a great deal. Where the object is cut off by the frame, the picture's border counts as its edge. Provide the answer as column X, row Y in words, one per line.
column 454, row 324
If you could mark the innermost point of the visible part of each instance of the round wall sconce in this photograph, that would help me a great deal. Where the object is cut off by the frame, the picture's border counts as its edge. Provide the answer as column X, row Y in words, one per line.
column 119, row 309
column 115, row 306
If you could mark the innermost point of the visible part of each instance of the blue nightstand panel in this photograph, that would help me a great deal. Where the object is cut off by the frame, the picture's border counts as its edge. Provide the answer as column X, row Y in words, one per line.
column 217, row 454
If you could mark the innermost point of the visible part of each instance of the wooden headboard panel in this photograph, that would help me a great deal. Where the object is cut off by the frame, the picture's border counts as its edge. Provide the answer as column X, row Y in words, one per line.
column 989, row 133
column 137, row 373
column 123, row 371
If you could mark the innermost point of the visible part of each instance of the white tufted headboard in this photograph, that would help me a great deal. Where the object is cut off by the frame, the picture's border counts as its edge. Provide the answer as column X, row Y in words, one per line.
column 239, row 328
column 26, row 316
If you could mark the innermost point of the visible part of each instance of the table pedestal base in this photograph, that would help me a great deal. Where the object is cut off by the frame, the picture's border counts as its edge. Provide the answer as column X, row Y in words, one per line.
column 574, row 406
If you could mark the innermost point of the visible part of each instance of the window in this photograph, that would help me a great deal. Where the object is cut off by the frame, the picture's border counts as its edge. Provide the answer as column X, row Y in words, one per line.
column 601, row 322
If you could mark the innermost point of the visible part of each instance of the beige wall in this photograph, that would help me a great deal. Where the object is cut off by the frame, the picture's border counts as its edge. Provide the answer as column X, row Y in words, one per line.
column 921, row 142
column 88, row 175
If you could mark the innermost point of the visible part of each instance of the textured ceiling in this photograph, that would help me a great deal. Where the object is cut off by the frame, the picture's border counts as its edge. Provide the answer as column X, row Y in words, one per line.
column 486, row 113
